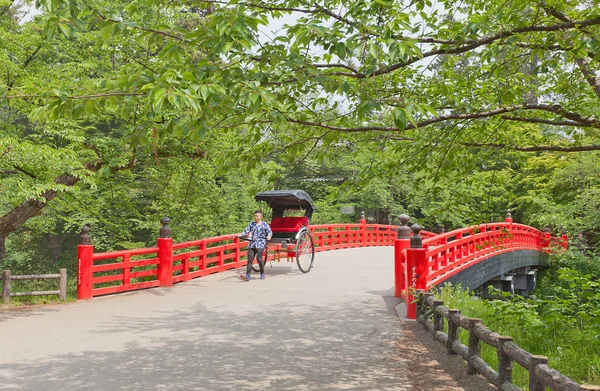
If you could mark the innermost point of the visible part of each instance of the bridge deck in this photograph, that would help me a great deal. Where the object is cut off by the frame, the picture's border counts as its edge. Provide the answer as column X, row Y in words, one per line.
column 327, row 330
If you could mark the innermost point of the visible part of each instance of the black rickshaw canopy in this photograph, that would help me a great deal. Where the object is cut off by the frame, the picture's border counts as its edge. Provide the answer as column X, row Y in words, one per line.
column 280, row 200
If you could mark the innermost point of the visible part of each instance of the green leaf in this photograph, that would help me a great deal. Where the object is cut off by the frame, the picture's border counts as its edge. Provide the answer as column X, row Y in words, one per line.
column 204, row 91
column 340, row 50
column 400, row 118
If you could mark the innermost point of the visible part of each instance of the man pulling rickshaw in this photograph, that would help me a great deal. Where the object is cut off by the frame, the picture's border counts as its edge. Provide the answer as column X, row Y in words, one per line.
column 257, row 232
column 288, row 232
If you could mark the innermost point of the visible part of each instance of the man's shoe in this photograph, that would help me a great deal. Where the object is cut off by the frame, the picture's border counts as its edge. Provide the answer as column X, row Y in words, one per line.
column 262, row 276
column 244, row 277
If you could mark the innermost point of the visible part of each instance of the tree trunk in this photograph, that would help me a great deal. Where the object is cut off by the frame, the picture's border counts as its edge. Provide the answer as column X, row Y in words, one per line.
column 15, row 219
column 54, row 246
column 2, row 248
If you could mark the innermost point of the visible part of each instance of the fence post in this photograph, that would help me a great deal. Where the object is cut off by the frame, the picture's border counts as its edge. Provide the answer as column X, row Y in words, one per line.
column 534, row 383
column 564, row 240
column 165, row 254
column 422, row 306
column 6, row 286
column 402, row 242
column 437, row 320
column 505, row 364
column 453, row 329
column 62, row 284
column 474, row 346
column 85, row 256
column 416, row 268
column 363, row 229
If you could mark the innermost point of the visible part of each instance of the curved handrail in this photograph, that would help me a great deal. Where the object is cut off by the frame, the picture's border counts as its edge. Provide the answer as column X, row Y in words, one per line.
column 168, row 262
column 450, row 253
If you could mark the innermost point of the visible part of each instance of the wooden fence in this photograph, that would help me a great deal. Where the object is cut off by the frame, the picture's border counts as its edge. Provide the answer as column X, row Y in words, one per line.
column 7, row 277
column 541, row 376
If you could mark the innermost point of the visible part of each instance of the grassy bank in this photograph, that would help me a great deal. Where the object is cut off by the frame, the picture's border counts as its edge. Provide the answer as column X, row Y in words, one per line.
column 562, row 322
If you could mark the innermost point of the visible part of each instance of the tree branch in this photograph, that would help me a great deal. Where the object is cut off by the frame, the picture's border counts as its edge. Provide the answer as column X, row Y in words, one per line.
column 547, row 148
column 473, row 44
column 545, row 121
column 159, row 32
column 556, row 109
column 24, row 171
column 582, row 63
column 100, row 95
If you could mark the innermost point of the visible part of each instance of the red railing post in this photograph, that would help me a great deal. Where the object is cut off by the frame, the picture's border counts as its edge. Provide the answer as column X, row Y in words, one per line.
column 416, row 268
column 165, row 254
column 401, row 242
column 564, row 240
column 85, row 261
column 547, row 235
column 508, row 218
column 363, row 229
column 202, row 257
column 236, row 257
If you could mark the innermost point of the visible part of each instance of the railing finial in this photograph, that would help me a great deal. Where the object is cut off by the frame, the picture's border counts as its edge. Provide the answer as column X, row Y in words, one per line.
column 508, row 214
column 362, row 215
column 165, row 231
column 415, row 240
column 403, row 229
column 442, row 229
column 547, row 229
column 85, row 239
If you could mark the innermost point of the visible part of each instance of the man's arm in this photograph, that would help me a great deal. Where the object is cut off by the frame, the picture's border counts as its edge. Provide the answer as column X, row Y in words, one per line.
column 269, row 232
column 247, row 230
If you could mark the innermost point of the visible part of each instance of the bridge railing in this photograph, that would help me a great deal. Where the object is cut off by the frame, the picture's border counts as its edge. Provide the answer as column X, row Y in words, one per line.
column 168, row 263
column 422, row 264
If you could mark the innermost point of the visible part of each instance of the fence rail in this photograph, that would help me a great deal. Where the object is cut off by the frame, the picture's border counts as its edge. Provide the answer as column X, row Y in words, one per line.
column 541, row 376
column 7, row 277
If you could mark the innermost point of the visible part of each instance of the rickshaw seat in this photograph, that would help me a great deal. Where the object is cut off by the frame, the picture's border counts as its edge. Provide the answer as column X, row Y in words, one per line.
column 288, row 224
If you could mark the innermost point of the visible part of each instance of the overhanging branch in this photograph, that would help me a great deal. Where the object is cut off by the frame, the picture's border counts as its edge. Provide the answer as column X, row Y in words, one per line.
column 575, row 119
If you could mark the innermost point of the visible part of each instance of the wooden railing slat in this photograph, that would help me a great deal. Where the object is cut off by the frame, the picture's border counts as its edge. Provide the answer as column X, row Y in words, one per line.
column 7, row 276
column 541, row 375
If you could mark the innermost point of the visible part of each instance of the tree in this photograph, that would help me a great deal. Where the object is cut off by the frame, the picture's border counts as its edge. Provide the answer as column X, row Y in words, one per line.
column 439, row 87
column 523, row 63
column 38, row 161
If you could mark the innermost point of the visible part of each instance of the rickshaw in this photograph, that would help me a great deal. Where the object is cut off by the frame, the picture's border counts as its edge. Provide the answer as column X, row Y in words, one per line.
column 291, row 235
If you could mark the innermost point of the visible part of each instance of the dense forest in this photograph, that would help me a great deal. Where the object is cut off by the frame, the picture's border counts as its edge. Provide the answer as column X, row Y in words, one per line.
column 117, row 113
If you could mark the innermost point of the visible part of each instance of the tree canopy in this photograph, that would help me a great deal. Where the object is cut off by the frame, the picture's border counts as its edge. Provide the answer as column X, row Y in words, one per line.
column 452, row 111
column 466, row 72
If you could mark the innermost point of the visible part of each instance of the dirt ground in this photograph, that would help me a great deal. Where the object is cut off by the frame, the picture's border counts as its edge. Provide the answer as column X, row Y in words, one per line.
column 430, row 367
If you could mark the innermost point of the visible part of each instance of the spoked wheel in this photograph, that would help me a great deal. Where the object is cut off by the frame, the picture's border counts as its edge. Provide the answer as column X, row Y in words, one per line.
column 265, row 256
column 305, row 252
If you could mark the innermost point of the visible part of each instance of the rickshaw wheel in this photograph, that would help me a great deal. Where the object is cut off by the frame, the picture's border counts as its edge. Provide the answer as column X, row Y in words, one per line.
column 305, row 252
column 265, row 256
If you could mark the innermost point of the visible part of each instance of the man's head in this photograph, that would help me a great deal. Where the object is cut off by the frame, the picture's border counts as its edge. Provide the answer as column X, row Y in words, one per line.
column 258, row 216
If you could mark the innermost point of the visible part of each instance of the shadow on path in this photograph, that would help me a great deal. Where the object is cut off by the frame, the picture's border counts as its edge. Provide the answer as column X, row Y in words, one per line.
column 292, row 348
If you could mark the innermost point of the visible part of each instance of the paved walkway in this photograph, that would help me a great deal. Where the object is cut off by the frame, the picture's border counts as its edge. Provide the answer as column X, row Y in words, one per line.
column 329, row 329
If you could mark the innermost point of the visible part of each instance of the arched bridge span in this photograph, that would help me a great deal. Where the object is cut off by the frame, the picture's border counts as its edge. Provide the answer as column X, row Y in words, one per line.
column 423, row 259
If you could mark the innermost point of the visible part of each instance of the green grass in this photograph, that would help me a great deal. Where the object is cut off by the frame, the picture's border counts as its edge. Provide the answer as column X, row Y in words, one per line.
column 573, row 351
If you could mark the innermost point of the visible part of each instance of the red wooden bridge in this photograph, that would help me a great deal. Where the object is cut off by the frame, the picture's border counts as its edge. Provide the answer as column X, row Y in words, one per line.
column 325, row 330
column 422, row 259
